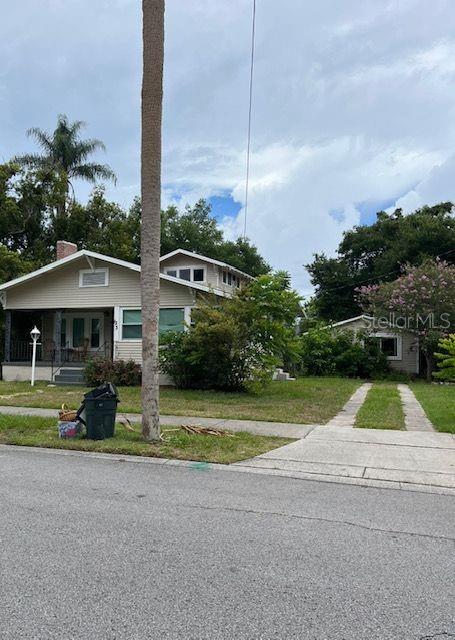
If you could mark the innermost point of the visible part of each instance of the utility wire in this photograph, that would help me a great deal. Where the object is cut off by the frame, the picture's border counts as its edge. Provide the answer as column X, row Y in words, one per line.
column 382, row 275
column 253, row 35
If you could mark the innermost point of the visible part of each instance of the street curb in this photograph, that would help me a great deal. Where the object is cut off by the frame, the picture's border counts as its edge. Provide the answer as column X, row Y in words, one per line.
column 210, row 466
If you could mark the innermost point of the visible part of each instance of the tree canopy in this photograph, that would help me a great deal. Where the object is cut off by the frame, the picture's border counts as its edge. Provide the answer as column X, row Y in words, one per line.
column 421, row 301
column 65, row 154
column 30, row 225
column 376, row 253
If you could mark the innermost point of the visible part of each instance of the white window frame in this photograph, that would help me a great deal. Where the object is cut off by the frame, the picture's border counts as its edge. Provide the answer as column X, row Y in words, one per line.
column 398, row 338
column 122, row 309
column 191, row 270
column 82, row 272
column 119, row 330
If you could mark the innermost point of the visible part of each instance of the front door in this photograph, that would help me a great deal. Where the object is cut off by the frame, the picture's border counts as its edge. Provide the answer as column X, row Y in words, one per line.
column 85, row 329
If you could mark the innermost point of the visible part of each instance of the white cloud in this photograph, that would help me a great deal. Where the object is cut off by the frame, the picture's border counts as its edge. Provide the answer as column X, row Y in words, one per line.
column 353, row 102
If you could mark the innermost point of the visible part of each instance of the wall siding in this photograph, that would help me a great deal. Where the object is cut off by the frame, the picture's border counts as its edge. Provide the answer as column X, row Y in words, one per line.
column 409, row 359
column 60, row 290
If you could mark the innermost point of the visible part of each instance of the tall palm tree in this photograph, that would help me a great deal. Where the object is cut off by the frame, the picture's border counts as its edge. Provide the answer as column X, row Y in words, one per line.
column 152, row 100
column 66, row 155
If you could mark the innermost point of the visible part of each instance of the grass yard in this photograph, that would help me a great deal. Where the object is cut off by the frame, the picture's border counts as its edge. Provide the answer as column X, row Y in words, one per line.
column 438, row 402
column 42, row 432
column 382, row 408
column 304, row 401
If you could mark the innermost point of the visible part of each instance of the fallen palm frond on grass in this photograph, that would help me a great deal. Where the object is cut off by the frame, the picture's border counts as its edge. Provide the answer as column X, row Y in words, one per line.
column 34, row 431
column 205, row 431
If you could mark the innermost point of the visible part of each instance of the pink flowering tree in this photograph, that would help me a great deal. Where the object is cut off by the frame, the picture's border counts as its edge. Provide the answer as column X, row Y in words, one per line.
column 421, row 301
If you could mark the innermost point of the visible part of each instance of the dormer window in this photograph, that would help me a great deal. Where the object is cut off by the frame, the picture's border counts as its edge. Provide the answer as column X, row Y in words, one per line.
column 190, row 274
column 198, row 275
column 93, row 278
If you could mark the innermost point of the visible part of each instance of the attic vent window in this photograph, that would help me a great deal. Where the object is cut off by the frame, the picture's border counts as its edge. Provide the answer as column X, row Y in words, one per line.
column 95, row 278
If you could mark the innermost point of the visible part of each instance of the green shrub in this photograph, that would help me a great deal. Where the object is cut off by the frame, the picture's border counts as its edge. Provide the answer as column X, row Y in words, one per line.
column 235, row 344
column 123, row 373
column 344, row 353
column 446, row 360
column 317, row 349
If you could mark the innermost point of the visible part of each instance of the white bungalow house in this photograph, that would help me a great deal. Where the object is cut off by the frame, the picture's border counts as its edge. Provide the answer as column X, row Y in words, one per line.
column 87, row 304
column 400, row 347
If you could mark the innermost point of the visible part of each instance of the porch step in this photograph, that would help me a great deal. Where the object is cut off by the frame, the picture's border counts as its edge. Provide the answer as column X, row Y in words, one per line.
column 70, row 376
column 281, row 375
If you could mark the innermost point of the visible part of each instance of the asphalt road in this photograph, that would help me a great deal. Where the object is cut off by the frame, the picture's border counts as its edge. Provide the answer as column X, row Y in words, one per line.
column 93, row 548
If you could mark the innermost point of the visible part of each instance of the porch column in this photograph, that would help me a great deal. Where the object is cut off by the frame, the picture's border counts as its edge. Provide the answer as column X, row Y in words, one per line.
column 8, row 335
column 58, row 337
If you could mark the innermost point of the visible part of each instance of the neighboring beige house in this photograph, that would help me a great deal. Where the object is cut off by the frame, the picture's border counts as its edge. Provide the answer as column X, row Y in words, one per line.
column 87, row 304
column 401, row 348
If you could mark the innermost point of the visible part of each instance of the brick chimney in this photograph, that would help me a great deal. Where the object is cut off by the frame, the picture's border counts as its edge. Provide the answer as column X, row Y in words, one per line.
column 65, row 249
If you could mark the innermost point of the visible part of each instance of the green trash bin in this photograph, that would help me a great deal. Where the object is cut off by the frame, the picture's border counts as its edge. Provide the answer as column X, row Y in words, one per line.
column 100, row 416
column 98, row 412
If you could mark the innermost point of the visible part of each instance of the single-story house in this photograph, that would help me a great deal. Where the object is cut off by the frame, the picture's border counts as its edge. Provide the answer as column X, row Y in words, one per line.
column 400, row 347
column 87, row 304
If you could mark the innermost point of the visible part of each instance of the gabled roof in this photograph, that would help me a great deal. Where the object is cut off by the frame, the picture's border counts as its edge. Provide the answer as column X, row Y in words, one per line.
column 100, row 256
column 349, row 320
column 198, row 256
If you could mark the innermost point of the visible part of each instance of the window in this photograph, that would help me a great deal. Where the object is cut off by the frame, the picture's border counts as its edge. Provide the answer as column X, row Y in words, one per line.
column 190, row 274
column 389, row 346
column 198, row 275
column 224, row 277
column 170, row 320
column 95, row 333
column 185, row 274
column 131, row 324
column 94, row 278
column 229, row 278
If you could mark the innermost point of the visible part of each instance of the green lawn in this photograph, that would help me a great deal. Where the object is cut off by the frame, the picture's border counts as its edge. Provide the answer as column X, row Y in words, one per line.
column 438, row 402
column 303, row 401
column 42, row 432
column 382, row 408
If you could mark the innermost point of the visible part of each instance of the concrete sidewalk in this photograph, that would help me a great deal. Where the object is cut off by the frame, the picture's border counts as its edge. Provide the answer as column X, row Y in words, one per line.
column 417, row 460
column 366, row 456
column 258, row 427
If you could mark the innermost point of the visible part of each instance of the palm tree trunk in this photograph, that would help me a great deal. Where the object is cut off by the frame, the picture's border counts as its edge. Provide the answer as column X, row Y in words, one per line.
column 152, row 98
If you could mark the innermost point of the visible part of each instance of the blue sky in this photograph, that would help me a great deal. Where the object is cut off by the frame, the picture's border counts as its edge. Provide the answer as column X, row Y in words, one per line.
column 224, row 207
column 353, row 106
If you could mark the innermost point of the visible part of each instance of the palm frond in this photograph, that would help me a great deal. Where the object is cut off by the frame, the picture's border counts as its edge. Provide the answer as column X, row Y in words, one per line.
column 42, row 138
column 93, row 172
column 82, row 149
column 33, row 161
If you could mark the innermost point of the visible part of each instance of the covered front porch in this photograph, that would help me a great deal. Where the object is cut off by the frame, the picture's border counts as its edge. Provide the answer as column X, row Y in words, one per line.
column 68, row 337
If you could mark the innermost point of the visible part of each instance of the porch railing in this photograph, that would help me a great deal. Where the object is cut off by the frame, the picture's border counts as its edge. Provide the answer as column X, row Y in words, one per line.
column 21, row 351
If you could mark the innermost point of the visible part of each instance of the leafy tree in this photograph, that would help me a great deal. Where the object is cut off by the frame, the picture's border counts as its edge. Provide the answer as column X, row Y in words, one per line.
column 446, row 359
column 421, row 301
column 196, row 230
column 13, row 264
column 375, row 253
column 242, row 255
column 234, row 345
column 26, row 202
column 193, row 230
column 66, row 155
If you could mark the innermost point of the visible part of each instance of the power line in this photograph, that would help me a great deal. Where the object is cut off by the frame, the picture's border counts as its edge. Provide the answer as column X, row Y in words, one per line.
column 253, row 35
column 382, row 275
